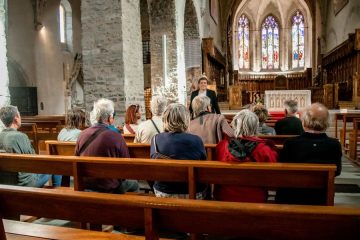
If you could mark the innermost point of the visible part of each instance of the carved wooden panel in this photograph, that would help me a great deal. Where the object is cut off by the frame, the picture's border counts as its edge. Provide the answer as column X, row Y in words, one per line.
column 281, row 83
column 235, row 98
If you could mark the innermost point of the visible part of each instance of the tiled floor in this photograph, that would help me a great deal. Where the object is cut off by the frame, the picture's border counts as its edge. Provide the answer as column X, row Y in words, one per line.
column 348, row 184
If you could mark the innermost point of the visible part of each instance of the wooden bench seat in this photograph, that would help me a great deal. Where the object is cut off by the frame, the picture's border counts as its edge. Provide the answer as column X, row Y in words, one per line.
column 16, row 230
column 266, row 175
column 241, row 220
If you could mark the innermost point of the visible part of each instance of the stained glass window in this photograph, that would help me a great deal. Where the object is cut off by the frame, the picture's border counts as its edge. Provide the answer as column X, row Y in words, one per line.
column 244, row 40
column 298, row 41
column 270, row 44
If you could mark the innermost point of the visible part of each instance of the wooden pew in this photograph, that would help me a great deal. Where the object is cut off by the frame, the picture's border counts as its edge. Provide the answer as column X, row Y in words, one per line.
column 44, row 125
column 345, row 117
column 277, row 139
column 30, row 129
column 266, row 175
column 136, row 150
column 16, row 230
column 354, row 141
column 241, row 220
column 129, row 138
column 38, row 136
column 58, row 118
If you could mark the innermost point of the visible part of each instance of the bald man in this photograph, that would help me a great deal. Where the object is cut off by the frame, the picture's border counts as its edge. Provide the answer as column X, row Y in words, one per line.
column 313, row 146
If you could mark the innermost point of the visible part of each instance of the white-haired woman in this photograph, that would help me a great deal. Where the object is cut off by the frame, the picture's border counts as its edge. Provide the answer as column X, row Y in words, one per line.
column 245, row 147
column 148, row 129
column 175, row 143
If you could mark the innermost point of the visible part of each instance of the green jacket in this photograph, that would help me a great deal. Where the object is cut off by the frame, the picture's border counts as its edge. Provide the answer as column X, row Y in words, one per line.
column 12, row 141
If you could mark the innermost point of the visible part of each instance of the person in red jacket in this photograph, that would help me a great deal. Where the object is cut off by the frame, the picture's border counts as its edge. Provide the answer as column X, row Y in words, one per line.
column 245, row 147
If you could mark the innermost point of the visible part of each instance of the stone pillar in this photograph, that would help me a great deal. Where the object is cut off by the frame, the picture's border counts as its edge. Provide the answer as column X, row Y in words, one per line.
column 163, row 22
column 4, row 76
column 112, row 52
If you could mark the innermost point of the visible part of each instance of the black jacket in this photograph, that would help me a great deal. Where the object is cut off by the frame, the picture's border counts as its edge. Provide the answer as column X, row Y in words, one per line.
column 309, row 148
column 213, row 100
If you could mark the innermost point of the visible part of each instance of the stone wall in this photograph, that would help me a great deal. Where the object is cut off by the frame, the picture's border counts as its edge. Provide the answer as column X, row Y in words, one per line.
column 162, row 22
column 4, row 79
column 112, row 56
column 192, row 48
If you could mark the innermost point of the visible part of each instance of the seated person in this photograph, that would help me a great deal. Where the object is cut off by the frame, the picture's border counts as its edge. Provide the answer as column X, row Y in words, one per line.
column 207, row 125
column 175, row 143
column 313, row 146
column 148, row 129
column 132, row 119
column 263, row 115
column 290, row 125
column 13, row 141
column 245, row 147
column 93, row 121
column 100, row 141
column 72, row 129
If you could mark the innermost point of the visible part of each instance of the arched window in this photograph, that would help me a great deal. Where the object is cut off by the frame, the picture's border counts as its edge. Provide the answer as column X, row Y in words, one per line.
column 298, row 41
column 65, row 25
column 62, row 23
column 270, row 43
column 243, row 37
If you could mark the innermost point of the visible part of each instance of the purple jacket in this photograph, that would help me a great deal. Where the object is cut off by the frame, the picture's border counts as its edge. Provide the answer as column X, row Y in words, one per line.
column 107, row 144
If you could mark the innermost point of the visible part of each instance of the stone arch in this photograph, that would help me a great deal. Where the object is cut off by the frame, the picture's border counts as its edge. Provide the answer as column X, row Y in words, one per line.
column 192, row 47
column 68, row 24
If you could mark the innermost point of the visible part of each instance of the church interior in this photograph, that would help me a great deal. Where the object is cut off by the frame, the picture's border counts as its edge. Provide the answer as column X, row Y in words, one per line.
column 59, row 55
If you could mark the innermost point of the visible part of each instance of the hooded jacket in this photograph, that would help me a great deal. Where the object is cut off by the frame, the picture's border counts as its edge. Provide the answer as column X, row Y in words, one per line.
column 244, row 149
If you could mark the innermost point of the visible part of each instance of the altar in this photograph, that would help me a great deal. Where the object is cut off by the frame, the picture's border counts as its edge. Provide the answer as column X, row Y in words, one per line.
column 274, row 100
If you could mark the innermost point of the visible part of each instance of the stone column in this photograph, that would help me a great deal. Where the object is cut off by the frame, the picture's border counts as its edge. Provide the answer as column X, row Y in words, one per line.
column 112, row 52
column 163, row 22
column 4, row 76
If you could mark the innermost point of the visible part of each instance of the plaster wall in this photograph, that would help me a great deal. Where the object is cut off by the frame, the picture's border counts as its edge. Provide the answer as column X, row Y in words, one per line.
column 49, row 63
column 211, row 29
column 37, row 58
column 20, row 42
column 339, row 26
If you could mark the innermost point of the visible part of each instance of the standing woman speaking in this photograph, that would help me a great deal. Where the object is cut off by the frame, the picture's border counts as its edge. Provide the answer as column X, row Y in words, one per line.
column 203, row 91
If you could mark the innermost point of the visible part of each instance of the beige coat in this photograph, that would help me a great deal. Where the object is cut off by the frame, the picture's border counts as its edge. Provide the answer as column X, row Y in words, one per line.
column 210, row 127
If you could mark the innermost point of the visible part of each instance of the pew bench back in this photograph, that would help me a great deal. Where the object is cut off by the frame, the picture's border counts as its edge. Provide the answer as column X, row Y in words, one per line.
column 243, row 220
column 267, row 175
column 136, row 150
